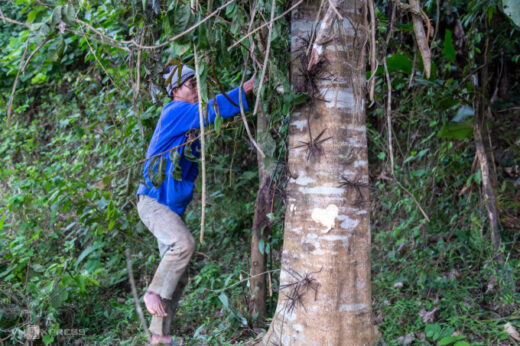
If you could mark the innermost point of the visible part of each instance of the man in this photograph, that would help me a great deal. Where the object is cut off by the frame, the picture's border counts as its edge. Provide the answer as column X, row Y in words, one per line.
column 161, row 207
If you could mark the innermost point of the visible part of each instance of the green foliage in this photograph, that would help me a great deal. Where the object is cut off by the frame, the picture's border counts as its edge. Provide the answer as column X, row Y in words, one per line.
column 67, row 214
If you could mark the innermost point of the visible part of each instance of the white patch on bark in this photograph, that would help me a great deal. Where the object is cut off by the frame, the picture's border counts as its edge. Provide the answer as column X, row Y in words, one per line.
column 348, row 223
column 300, row 25
column 292, row 208
column 297, row 327
column 327, row 217
column 352, row 143
column 360, row 163
column 299, row 124
column 343, row 238
column 303, row 180
column 310, row 238
column 324, row 252
column 354, row 128
column 348, row 173
column 322, row 190
column 352, row 307
column 338, row 97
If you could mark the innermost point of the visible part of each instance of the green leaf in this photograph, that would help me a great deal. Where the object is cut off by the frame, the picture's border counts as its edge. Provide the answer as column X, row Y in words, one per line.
column 461, row 343
column 55, row 18
column 68, row 14
column 176, row 166
column 181, row 20
column 218, row 124
column 157, row 176
column 224, row 299
column 261, row 246
column 60, row 47
column 399, row 62
column 32, row 15
column 433, row 331
column 450, row 339
column 44, row 29
column 512, row 10
column 267, row 143
column 87, row 252
column 456, row 130
column 188, row 153
column 47, row 339
column 449, row 49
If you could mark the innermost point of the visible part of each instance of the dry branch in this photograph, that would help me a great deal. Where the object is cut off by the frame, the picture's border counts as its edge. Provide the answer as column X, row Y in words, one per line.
column 134, row 292
column 265, row 24
column 203, row 154
column 15, row 84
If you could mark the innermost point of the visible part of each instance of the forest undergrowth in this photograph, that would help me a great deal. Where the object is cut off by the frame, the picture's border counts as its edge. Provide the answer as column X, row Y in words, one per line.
column 67, row 201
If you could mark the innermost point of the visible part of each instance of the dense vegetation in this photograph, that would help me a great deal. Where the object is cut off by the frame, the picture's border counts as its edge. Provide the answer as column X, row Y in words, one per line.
column 72, row 141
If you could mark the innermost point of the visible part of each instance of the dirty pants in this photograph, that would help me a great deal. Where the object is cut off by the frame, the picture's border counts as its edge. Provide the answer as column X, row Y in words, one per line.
column 176, row 246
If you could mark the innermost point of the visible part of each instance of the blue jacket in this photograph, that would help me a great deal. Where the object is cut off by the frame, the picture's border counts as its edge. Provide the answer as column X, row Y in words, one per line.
column 176, row 121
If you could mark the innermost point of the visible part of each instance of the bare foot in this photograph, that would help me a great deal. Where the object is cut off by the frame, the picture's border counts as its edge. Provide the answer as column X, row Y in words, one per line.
column 160, row 339
column 154, row 304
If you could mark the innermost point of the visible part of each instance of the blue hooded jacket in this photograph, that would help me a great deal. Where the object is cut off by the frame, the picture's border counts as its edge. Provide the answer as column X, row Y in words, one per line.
column 176, row 121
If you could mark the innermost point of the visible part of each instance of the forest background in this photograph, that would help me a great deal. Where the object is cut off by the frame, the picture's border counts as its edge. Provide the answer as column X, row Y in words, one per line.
column 81, row 93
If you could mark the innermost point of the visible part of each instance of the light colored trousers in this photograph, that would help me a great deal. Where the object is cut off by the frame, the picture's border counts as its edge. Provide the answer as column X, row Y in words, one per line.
column 176, row 246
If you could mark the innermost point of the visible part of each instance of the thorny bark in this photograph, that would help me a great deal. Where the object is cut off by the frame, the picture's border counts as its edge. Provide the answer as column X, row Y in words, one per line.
column 325, row 291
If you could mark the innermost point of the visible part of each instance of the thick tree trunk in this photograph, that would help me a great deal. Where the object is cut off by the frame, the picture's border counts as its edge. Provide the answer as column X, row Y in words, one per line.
column 259, row 232
column 325, row 293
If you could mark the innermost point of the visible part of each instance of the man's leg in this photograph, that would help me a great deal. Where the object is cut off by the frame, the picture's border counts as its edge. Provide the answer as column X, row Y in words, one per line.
column 177, row 246
column 163, row 324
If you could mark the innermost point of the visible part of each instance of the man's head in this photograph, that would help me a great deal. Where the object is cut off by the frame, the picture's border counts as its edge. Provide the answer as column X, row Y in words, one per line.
column 183, row 86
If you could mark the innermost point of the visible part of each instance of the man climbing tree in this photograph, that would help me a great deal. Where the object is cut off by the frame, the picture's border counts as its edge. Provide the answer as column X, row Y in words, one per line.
column 169, row 181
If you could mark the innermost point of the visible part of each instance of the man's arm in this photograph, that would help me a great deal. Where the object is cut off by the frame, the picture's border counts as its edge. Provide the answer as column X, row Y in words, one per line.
column 188, row 117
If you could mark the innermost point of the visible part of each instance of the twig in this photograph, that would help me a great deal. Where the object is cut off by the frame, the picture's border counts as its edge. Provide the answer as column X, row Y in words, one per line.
column 134, row 292
column 389, row 117
column 333, row 7
column 15, row 84
column 413, row 66
column 190, row 29
column 136, row 89
column 103, row 67
column 313, row 31
column 9, row 20
column 415, row 200
column 265, row 24
column 34, row 52
column 264, row 67
column 373, row 67
column 2, row 15
column 246, row 279
column 203, row 155
column 243, row 116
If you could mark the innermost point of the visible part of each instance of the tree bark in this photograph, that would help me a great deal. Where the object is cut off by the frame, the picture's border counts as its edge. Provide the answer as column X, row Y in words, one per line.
column 325, row 290
column 259, row 232
column 487, row 189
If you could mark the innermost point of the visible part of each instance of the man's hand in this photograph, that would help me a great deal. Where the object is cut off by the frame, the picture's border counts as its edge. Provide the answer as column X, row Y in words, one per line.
column 249, row 85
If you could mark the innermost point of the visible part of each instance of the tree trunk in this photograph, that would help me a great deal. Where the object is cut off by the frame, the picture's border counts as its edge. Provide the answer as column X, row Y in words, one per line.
column 325, row 288
column 260, row 231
